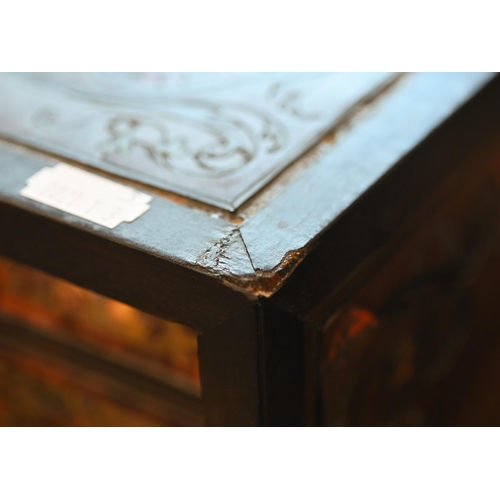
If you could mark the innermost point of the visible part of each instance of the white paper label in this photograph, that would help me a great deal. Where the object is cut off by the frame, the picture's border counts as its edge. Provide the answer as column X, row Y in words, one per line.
column 86, row 195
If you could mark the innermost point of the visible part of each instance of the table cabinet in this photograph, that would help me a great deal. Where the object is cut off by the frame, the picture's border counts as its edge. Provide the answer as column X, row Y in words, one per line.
column 289, row 249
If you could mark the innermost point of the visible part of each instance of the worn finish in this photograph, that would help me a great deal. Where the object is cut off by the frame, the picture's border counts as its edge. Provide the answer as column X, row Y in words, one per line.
column 376, row 141
column 453, row 155
column 174, row 232
column 214, row 137
column 259, row 253
column 258, row 282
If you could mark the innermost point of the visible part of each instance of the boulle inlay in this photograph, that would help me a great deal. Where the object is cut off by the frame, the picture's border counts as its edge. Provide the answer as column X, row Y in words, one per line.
column 215, row 137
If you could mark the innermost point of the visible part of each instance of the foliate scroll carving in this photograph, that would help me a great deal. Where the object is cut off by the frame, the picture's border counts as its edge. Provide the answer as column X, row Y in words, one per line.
column 211, row 140
column 214, row 136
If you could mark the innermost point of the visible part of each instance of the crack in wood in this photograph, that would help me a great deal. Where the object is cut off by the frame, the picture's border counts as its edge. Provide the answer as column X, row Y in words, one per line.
column 219, row 260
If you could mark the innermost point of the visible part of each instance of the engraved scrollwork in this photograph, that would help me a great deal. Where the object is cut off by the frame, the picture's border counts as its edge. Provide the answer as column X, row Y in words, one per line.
column 215, row 140
column 197, row 137
column 200, row 137
column 289, row 100
column 289, row 96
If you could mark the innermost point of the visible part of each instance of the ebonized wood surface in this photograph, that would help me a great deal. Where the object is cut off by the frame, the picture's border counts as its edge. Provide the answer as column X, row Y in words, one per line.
column 257, row 281
column 178, row 253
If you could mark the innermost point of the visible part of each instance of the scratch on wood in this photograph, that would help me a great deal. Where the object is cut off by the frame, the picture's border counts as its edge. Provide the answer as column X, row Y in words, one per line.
column 215, row 257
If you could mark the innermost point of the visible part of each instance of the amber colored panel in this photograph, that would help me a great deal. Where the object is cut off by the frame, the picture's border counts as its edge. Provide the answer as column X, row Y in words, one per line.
column 67, row 311
column 34, row 392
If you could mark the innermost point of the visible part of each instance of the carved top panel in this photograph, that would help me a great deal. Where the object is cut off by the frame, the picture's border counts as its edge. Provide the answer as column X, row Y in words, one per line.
column 214, row 137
